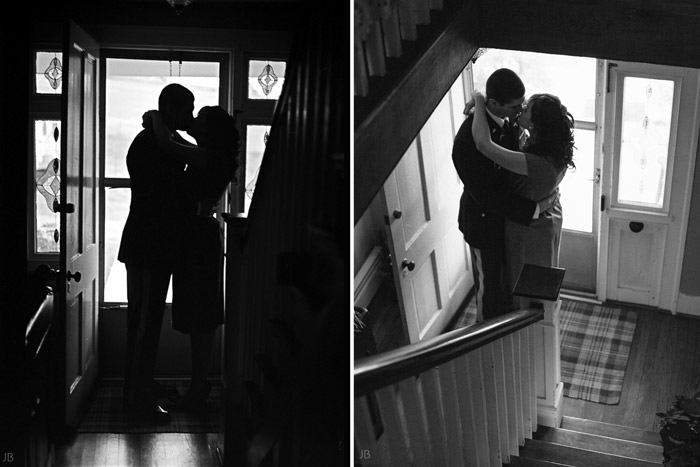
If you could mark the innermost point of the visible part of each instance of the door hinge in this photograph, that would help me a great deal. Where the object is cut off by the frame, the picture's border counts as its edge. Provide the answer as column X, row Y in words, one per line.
column 610, row 66
column 602, row 203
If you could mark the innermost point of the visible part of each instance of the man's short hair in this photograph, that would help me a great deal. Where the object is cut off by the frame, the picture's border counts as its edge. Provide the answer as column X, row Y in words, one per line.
column 173, row 96
column 504, row 86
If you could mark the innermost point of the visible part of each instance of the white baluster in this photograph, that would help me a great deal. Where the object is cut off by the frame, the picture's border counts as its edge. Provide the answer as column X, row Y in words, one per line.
column 532, row 333
column 463, row 376
column 524, row 354
column 430, row 384
column 495, row 406
column 392, row 31
column 415, row 423
column 504, row 412
column 479, row 408
column 511, row 391
column 450, row 407
column 376, row 62
column 407, row 22
column 393, row 429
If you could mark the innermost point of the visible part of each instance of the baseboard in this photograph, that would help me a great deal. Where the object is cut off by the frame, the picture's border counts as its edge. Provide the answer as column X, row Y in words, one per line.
column 688, row 305
column 368, row 278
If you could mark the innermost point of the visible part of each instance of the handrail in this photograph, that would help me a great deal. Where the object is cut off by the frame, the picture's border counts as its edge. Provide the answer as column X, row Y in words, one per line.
column 392, row 366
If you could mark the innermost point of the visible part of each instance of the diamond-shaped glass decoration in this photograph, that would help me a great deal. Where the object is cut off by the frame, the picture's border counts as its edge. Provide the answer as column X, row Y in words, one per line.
column 49, row 184
column 54, row 73
column 267, row 79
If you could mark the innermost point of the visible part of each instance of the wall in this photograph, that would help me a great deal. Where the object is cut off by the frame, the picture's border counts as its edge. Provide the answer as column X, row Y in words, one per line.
column 368, row 233
column 690, row 274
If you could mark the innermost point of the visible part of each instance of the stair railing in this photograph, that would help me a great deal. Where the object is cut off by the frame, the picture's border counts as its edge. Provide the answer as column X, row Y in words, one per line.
column 467, row 397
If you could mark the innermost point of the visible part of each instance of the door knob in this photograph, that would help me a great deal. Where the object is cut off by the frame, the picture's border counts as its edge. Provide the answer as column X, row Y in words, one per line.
column 397, row 214
column 406, row 264
column 75, row 276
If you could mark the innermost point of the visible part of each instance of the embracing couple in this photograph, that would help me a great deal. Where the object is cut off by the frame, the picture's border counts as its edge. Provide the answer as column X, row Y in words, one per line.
column 511, row 156
column 171, row 232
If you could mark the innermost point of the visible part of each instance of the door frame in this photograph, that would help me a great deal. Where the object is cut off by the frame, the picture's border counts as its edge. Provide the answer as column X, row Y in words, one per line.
column 684, row 197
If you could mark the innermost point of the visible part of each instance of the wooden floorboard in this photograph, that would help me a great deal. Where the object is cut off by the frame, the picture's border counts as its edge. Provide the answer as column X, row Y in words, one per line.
column 139, row 449
column 664, row 362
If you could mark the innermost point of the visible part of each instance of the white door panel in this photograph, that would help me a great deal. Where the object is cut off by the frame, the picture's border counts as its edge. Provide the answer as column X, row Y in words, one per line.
column 650, row 147
column 421, row 201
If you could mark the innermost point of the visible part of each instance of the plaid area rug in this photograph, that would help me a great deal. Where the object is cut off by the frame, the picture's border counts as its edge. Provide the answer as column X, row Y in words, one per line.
column 106, row 414
column 595, row 346
column 595, row 343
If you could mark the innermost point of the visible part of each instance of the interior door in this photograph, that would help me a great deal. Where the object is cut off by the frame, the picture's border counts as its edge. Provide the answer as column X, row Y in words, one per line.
column 77, row 282
column 650, row 146
column 431, row 266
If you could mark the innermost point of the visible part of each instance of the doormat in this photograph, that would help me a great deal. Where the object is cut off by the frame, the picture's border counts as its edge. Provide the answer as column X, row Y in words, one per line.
column 107, row 415
column 595, row 346
column 595, row 342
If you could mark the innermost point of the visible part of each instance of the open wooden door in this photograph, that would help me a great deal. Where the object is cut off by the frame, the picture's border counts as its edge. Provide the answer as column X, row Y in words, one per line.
column 431, row 265
column 77, row 287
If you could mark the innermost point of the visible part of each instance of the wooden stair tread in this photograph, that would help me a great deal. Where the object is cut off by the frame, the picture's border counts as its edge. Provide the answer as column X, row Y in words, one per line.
column 517, row 461
column 611, row 430
column 602, row 444
column 576, row 457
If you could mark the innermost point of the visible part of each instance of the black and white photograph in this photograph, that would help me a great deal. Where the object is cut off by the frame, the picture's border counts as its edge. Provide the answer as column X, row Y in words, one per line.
column 176, row 177
column 526, row 233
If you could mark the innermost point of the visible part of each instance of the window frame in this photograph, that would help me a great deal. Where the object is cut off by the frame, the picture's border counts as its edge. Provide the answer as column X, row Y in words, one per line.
column 41, row 107
column 224, row 57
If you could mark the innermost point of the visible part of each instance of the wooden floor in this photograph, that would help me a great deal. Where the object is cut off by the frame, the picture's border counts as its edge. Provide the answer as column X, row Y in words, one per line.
column 664, row 362
column 142, row 449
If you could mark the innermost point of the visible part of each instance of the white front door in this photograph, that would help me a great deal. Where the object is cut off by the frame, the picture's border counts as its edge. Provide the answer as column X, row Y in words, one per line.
column 430, row 259
column 77, row 282
column 651, row 133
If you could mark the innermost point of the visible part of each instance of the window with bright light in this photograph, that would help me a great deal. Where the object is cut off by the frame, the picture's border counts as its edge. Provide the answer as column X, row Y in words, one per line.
column 132, row 88
column 573, row 80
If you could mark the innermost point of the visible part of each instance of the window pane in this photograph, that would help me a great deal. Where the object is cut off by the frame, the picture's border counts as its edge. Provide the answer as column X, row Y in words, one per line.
column 572, row 79
column 256, row 140
column 647, row 106
column 133, row 87
column 577, row 187
column 116, row 211
column 48, row 72
column 47, row 147
column 265, row 79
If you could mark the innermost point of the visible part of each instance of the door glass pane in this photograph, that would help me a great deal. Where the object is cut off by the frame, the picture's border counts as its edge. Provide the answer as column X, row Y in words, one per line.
column 47, row 151
column 256, row 139
column 133, row 87
column 577, row 187
column 647, row 106
column 48, row 72
column 572, row 79
column 265, row 79
column 116, row 211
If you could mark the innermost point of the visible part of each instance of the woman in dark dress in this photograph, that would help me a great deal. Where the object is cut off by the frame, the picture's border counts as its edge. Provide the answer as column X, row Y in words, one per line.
column 535, row 173
column 198, row 297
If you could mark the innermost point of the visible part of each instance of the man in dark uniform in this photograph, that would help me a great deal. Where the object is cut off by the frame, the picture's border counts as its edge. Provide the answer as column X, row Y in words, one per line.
column 158, row 204
column 487, row 199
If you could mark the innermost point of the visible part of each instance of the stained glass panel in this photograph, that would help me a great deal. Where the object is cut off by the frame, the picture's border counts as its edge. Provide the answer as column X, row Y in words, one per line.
column 647, row 106
column 48, row 72
column 265, row 79
column 47, row 150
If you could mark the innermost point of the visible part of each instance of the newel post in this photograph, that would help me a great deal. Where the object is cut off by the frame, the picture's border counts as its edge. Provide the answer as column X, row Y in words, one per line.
column 538, row 286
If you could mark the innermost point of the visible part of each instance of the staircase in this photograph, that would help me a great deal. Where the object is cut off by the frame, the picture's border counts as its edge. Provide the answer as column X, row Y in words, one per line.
column 587, row 443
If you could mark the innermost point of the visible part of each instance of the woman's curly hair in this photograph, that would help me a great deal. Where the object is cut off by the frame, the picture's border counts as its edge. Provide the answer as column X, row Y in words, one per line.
column 552, row 132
